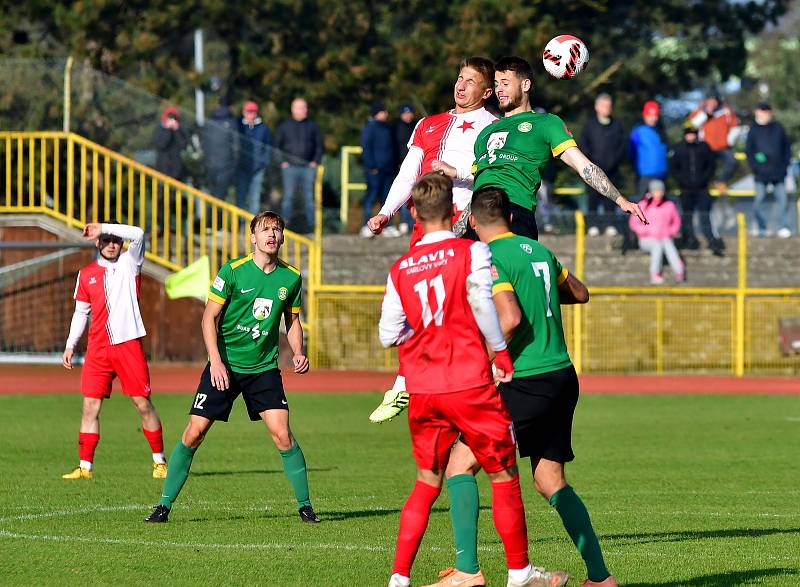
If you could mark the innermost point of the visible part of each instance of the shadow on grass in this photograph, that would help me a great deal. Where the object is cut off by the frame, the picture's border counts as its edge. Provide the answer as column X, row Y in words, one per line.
column 325, row 515
column 686, row 535
column 730, row 579
column 254, row 472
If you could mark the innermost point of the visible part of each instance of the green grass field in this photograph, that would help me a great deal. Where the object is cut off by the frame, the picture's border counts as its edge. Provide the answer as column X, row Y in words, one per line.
column 683, row 490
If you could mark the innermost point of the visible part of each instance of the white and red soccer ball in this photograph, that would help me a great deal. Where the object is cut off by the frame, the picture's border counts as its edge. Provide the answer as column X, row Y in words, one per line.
column 565, row 56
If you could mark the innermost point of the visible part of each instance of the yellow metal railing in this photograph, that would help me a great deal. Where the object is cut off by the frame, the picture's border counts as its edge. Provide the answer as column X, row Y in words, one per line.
column 77, row 181
column 347, row 186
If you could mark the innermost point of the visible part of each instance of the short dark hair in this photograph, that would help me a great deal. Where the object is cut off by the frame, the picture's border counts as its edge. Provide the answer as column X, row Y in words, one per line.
column 521, row 68
column 433, row 197
column 490, row 205
column 483, row 66
column 266, row 216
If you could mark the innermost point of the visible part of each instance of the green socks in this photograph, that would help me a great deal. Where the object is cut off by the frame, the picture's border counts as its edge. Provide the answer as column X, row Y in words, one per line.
column 294, row 466
column 576, row 521
column 180, row 461
column 464, row 504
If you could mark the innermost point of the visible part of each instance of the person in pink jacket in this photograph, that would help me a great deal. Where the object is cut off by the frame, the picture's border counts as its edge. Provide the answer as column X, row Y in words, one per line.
column 656, row 237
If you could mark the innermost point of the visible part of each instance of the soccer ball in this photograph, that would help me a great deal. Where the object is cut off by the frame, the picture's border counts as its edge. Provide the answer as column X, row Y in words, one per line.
column 565, row 56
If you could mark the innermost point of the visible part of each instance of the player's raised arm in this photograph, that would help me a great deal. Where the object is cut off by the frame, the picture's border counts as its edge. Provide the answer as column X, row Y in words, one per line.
column 400, row 192
column 126, row 232
column 597, row 179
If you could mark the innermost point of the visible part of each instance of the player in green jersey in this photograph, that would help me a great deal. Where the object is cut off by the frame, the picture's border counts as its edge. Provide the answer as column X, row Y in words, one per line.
column 529, row 286
column 511, row 153
column 240, row 326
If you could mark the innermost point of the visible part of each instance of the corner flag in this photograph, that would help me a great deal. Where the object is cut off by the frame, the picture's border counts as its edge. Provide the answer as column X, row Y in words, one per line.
column 190, row 282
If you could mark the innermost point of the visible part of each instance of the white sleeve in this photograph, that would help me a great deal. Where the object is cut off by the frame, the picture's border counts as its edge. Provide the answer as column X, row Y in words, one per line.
column 78, row 324
column 400, row 191
column 698, row 119
column 393, row 328
column 464, row 173
column 479, row 294
column 134, row 234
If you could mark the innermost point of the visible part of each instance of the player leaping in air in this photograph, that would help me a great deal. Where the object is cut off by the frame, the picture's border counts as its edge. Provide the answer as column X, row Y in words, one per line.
column 512, row 153
column 448, row 136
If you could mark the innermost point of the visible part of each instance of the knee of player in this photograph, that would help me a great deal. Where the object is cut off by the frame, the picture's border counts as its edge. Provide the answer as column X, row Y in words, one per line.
column 283, row 440
column 193, row 437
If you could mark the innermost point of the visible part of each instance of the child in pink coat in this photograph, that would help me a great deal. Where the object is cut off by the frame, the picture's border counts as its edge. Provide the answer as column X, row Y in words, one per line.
column 656, row 237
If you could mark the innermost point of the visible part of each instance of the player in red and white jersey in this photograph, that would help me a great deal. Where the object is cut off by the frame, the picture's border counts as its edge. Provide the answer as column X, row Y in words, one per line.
column 438, row 310
column 108, row 291
column 448, row 136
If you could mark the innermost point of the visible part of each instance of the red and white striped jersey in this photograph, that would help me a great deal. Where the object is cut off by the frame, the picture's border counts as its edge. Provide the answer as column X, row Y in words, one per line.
column 448, row 137
column 112, row 291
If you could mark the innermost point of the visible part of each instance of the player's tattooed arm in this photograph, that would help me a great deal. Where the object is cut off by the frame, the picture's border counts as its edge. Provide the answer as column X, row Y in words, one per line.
column 597, row 179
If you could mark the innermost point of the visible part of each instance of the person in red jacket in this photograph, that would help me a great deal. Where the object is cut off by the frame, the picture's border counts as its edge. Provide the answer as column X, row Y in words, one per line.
column 657, row 237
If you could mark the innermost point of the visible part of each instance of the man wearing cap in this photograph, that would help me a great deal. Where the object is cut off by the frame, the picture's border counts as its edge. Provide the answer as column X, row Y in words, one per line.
column 170, row 140
column 692, row 165
column 648, row 148
column 769, row 153
column 255, row 143
column 377, row 154
column 403, row 131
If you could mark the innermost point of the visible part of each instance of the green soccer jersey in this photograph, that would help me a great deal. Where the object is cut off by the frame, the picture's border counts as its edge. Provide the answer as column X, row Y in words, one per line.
column 533, row 273
column 253, row 303
column 511, row 153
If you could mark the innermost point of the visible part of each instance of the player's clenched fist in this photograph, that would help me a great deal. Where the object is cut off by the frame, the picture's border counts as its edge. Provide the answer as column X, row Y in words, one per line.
column 376, row 223
column 301, row 363
column 504, row 366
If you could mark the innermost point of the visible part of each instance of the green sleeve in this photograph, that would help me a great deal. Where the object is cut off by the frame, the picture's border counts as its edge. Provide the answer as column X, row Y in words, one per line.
column 222, row 286
column 296, row 296
column 501, row 280
column 558, row 135
column 561, row 273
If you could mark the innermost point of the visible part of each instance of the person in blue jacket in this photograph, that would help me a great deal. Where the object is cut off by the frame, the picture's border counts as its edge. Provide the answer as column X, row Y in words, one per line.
column 648, row 148
column 378, row 156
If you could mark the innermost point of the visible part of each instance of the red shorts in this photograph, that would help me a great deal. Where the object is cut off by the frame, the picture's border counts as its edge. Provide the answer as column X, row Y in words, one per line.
column 416, row 232
column 479, row 415
column 125, row 360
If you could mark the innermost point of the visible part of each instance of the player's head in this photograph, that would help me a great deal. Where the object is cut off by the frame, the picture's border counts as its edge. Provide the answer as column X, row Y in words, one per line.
column 474, row 83
column 513, row 79
column 490, row 212
column 109, row 245
column 266, row 232
column 299, row 109
column 433, row 198
column 603, row 105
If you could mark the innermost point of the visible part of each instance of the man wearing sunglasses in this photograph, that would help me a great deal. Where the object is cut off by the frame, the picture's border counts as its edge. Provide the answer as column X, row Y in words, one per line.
column 108, row 291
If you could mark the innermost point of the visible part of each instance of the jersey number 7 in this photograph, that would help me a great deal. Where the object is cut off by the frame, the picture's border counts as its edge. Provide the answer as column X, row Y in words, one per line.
column 421, row 287
column 543, row 270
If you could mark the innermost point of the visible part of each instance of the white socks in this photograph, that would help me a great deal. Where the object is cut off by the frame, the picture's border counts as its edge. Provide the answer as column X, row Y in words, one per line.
column 519, row 575
column 399, row 384
column 87, row 465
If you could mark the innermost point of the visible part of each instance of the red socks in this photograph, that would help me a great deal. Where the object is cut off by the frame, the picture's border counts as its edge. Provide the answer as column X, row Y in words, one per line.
column 87, row 443
column 509, row 520
column 413, row 522
column 155, row 438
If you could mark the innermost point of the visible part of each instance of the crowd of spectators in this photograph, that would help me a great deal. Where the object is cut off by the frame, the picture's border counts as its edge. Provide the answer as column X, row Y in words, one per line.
column 238, row 152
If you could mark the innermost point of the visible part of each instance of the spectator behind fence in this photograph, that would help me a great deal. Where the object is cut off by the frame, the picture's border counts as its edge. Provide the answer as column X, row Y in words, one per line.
column 769, row 153
column 170, row 141
column 255, row 152
column 300, row 143
column 718, row 127
column 377, row 154
column 692, row 165
column 220, row 143
column 602, row 141
column 648, row 148
column 403, row 131
column 656, row 237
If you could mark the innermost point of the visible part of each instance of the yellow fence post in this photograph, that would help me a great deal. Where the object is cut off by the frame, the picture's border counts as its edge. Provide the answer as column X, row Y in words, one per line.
column 577, row 310
column 70, row 181
column 740, row 292
column 344, row 203
column 318, row 203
